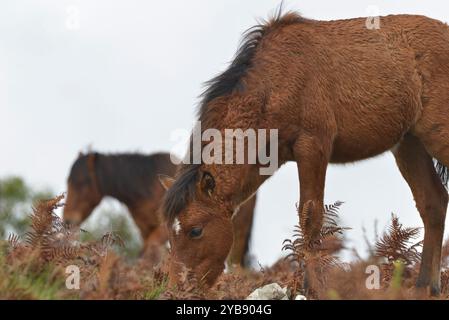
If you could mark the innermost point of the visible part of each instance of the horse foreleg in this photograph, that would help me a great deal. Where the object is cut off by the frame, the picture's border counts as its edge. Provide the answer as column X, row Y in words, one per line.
column 431, row 198
column 147, row 217
column 243, row 222
column 312, row 156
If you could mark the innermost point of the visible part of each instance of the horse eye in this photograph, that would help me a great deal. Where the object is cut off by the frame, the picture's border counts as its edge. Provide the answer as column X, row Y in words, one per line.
column 195, row 232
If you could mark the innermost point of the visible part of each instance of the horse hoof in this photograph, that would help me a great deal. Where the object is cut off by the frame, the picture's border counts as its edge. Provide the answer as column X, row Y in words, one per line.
column 430, row 289
column 435, row 290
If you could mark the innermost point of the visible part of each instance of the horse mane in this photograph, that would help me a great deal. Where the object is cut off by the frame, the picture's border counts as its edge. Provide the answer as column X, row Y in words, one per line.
column 127, row 177
column 224, row 84
column 230, row 80
column 79, row 172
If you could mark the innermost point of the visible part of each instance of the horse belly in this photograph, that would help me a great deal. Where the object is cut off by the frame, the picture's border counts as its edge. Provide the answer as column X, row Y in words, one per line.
column 369, row 126
column 366, row 146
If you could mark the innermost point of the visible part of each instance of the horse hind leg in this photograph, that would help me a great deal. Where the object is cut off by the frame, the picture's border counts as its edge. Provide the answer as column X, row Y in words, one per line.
column 417, row 168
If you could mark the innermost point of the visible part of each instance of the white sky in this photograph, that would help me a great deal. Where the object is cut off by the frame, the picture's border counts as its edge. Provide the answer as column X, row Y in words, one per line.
column 128, row 77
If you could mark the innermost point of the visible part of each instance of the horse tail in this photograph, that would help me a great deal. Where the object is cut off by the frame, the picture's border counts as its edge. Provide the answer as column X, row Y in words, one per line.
column 442, row 172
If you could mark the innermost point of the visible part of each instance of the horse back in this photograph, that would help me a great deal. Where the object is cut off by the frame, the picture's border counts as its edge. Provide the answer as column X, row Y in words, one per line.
column 367, row 87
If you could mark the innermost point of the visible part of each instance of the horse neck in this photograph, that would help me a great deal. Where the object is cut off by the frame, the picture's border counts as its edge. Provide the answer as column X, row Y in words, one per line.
column 108, row 178
column 253, row 181
column 244, row 179
column 240, row 112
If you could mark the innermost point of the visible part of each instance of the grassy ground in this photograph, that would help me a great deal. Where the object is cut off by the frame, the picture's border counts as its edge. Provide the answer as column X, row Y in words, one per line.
column 34, row 266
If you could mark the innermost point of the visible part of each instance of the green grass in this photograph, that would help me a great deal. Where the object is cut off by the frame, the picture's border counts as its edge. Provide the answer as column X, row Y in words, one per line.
column 155, row 292
column 398, row 273
column 27, row 281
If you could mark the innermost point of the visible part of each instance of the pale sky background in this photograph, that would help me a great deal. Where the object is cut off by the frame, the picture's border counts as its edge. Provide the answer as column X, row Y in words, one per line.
column 127, row 74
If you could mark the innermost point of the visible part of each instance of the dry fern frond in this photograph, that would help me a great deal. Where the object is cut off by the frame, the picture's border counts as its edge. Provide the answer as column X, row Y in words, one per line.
column 13, row 241
column 50, row 240
column 331, row 213
column 110, row 239
column 445, row 254
column 397, row 247
column 326, row 242
column 396, row 244
column 43, row 221
column 445, row 282
column 62, row 254
column 315, row 255
column 188, row 288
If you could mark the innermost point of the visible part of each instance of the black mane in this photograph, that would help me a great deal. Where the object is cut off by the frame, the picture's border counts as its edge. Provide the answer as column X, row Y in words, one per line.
column 224, row 84
column 230, row 80
column 127, row 177
column 181, row 191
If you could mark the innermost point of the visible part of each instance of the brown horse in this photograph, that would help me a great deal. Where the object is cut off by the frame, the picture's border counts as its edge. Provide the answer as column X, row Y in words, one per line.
column 132, row 179
column 338, row 92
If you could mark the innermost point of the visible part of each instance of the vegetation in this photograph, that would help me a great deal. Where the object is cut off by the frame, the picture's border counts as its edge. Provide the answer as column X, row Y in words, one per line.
column 116, row 221
column 34, row 265
column 16, row 197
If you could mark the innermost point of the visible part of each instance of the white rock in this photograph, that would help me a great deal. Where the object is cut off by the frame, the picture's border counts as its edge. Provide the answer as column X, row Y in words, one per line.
column 300, row 297
column 271, row 291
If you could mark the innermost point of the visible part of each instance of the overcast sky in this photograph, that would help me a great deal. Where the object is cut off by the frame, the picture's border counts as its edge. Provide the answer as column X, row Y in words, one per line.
column 124, row 75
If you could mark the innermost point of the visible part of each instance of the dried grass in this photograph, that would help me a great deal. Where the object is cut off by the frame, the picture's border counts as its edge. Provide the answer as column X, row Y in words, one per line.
column 33, row 266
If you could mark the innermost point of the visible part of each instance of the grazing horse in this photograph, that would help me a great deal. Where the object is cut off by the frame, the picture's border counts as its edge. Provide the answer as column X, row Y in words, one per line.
column 133, row 180
column 337, row 92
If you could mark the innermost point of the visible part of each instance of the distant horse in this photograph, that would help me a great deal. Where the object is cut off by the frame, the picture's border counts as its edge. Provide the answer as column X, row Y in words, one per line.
column 338, row 92
column 133, row 180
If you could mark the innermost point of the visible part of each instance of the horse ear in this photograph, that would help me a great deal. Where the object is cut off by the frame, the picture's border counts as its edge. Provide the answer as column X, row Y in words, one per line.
column 165, row 181
column 207, row 183
column 80, row 154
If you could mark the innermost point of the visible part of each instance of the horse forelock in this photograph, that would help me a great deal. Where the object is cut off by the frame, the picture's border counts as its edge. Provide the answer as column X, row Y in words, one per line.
column 181, row 192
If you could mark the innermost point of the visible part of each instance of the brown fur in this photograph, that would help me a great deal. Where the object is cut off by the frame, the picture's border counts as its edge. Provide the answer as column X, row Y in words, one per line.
column 130, row 178
column 338, row 93
column 133, row 180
